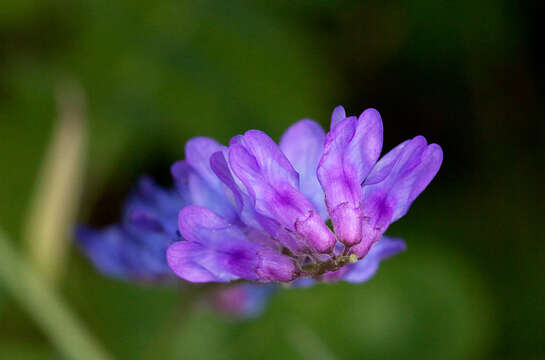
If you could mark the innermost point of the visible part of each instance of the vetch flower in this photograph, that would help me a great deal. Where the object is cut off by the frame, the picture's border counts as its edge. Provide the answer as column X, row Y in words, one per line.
column 259, row 210
column 312, row 208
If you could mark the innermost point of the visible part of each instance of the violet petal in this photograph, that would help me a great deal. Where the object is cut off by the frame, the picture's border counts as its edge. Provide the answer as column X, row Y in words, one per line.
column 303, row 145
column 414, row 167
column 215, row 250
column 351, row 150
column 338, row 114
column 276, row 267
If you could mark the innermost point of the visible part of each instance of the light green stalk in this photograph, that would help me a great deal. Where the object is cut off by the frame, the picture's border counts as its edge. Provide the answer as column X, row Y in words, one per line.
column 52, row 208
column 46, row 307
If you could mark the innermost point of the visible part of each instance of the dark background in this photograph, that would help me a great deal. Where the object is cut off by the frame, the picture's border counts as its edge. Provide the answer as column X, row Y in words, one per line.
column 467, row 75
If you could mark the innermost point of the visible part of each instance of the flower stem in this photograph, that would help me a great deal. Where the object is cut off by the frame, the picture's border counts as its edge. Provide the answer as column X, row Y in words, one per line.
column 46, row 307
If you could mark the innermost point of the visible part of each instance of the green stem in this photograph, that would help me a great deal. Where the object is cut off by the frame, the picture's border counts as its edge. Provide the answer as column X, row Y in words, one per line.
column 46, row 307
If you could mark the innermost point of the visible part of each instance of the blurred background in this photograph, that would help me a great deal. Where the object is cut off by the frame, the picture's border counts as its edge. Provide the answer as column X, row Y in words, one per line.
column 148, row 75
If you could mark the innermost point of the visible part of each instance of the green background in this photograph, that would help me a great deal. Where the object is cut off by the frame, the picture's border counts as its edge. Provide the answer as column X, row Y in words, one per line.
column 467, row 75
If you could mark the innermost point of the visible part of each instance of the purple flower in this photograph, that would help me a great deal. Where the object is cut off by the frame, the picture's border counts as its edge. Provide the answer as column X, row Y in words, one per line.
column 259, row 210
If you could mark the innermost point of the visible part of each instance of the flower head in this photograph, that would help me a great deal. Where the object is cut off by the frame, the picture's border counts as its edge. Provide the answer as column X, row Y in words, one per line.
column 259, row 210
column 312, row 208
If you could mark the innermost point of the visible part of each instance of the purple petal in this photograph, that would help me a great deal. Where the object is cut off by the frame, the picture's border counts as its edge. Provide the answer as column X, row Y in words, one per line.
column 303, row 145
column 146, row 221
column 204, row 187
column 378, row 212
column 220, row 167
column 312, row 228
column 270, row 162
column 203, row 194
column 351, row 150
column 276, row 267
column 247, row 212
column 347, row 219
column 364, row 269
column 180, row 171
column 193, row 262
column 104, row 248
column 126, row 252
column 215, row 250
column 365, row 146
column 338, row 114
column 160, row 204
column 411, row 169
column 273, row 185
column 383, row 167
column 242, row 201
column 415, row 176
column 197, row 153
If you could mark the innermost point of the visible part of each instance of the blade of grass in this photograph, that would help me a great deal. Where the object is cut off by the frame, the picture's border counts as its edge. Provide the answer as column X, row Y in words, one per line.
column 46, row 307
column 57, row 193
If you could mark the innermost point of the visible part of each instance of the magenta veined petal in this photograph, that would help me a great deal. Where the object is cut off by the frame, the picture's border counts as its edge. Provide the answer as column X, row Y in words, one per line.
column 351, row 149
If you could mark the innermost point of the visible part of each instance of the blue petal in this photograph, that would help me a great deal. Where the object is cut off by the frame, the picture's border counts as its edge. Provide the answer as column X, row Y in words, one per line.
column 150, row 198
column 126, row 253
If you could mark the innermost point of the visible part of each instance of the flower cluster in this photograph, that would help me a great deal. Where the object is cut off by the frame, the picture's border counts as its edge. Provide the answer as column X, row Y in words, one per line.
column 312, row 208
column 260, row 210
